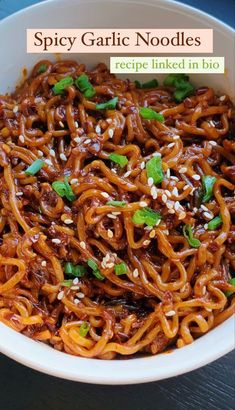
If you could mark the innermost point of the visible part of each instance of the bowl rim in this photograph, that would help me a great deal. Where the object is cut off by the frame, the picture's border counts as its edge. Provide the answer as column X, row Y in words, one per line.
column 41, row 357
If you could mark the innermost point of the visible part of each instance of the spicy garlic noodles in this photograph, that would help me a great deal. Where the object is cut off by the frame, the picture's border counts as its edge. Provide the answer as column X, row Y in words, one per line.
column 116, row 211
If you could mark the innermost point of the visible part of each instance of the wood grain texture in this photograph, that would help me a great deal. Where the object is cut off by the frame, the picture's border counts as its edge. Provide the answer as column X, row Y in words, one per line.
column 209, row 388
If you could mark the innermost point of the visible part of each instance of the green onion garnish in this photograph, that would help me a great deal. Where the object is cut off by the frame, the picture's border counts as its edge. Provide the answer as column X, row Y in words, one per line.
column 229, row 293
column 146, row 216
column 96, row 272
column 149, row 84
column 34, row 167
column 108, row 105
column 154, row 170
column 42, row 68
column 84, row 328
column 64, row 189
column 119, row 159
column 149, row 114
column 207, row 187
column 214, row 223
column 182, row 85
column 188, row 234
column 68, row 282
column 116, row 203
column 62, row 85
column 84, row 85
column 74, row 270
column 120, row 269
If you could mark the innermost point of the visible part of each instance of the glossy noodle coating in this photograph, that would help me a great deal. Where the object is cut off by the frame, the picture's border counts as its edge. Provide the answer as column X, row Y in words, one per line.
column 117, row 223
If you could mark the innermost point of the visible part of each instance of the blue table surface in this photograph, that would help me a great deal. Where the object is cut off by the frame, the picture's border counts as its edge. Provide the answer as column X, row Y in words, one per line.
column 210, row 388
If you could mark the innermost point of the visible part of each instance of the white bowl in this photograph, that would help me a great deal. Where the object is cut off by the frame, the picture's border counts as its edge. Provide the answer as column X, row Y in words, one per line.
column 121, row 14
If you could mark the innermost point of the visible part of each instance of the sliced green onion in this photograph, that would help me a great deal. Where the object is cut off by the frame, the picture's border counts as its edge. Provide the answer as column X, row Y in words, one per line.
column 119, row 159
column 229, row 293
column 62, row 85
column 63, row 189
column 149, row 84
column 74, row 270
column 188, row 234
column 181, row 93
column 96, row 272
column 84, row 328
column 207, row 187
column 171, row 79
column 108, row 105
column 42, row 68
column 120, row 269
column 154, row 170
column 34, row 167
column 149, row 114
column 84, row 85
column 68, row 282
column 214, row 223
column 146, row 216
column 116, row 203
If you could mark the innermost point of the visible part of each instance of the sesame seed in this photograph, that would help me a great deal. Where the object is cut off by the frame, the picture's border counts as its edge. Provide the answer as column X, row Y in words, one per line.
column 146, row 243
column 80, row 295
column 56, row 241
column 203, row 290
column 186, row 187
column 116, row 213
column 109, row 120
column 168, row 173
column 166, row 231
column 110, row 233
column 164, row 198
column 60, row 295
column 222, row 98
column 76, row 124
column 68, row 221
column 19, row 193
column 98, row 129
column 182, row 289
column 176, row 137
column 148, row 228
column 208, row 215
column 63, row 157
column 21, row 138
column 127, row 174
column 77, row 139
column 213, row 143
column 86, row 142
column 152, row 233
column 157, row 154
column 105, row 195
column 182, row 215
column 61, row 124
column 143, row 204
column 204, row 208
column 135, row 273
column 83, row 245
column 206, row 226
column 74, row 181
column 177, row 205
column 208, row 309
column 196, row 177
column 48, row 161
column 114, row 170
column 110, row 132
column 75, row 281
column 153, row 192
column 142, row 165
column 195, row 209
column 170, row 204
column 76, row 301
column 52, row 152
column 75, row 287
column 172, row 144
column 150, row 181
column 175, row 191
column 174, row 178
column 212, row 123
column 40, row 153
column 158, row 222
column 182, row 170
column 171, row 211
column 111, row 216
column 110, row 265
column 170, row 313
column 44, row 263
column 168, row 193
column 15, row 109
